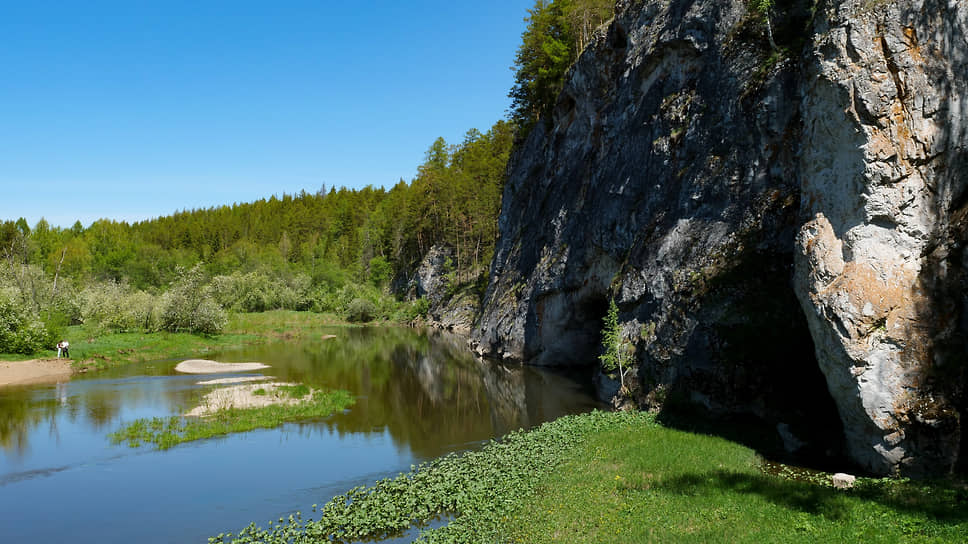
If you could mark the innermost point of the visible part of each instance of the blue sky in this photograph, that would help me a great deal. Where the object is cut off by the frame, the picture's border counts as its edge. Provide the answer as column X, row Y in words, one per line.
column 132, row 109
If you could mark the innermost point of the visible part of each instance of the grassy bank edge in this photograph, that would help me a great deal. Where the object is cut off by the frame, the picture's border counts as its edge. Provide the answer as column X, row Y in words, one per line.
column 622, row 477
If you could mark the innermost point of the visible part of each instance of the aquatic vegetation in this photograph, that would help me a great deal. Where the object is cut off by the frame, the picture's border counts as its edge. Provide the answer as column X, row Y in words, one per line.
column 165, row 432
column 478, row 488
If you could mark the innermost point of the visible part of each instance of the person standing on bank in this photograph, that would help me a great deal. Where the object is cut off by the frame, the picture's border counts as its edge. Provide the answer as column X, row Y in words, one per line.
column 64, row 347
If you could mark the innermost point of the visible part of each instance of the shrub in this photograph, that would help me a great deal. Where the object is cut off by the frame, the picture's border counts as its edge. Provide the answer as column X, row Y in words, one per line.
column 137, row 312
column 20, row 330
column 262, row 290
column 409, row 311
column 189, row 306
column 113, row 306
column 360, row 310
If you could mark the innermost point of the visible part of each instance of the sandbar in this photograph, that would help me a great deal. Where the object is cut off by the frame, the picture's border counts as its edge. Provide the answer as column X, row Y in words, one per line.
column 241, row 396
column 35, row 371
column 202, row 366
column 229, row 381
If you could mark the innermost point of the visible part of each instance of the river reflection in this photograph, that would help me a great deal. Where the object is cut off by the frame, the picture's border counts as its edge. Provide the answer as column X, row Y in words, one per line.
column 424, row 388
column 419, row 395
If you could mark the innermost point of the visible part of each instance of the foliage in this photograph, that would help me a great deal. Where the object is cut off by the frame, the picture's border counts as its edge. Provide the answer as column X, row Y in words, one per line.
column 163, row 433
column 762, row 7
column 616, row 355
column 20, row 330
column 380, row 271
column 360, row 310
column 413, row 310
column 317, row 251
column 188, row 305
column 557, row 32
column 113, row 306
column 262, row 290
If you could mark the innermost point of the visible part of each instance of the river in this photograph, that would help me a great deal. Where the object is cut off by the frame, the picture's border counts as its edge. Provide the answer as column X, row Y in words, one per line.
column 419, row 395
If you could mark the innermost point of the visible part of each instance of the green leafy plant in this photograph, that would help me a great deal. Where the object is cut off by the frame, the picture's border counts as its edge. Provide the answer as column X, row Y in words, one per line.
column 617, row 352
column 360, row 310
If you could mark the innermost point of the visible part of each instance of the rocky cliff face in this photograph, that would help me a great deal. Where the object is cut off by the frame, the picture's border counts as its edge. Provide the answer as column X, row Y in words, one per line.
column 879, row 264
column 449, row 309
column 773, row 225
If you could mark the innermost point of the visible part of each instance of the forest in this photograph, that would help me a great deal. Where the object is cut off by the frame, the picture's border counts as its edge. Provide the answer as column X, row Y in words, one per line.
column 346, row 251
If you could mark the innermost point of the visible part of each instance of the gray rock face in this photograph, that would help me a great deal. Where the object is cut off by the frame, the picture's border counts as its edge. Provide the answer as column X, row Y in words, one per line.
column 457, row 311
column 883, row 178
column 430, row 280
column 686, row 171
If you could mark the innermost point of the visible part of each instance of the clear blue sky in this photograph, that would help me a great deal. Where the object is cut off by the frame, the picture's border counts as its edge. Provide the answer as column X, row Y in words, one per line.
column 130, row 110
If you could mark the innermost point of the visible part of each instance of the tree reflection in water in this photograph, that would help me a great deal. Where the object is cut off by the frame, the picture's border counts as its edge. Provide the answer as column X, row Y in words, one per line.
column 424, row 388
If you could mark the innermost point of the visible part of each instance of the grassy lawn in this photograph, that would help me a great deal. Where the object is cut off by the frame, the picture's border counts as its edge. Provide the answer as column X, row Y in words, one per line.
column 91, row 350
column 647, row 483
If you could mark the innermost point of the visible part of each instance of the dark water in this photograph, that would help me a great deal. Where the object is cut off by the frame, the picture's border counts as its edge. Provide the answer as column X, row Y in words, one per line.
column 419, row 395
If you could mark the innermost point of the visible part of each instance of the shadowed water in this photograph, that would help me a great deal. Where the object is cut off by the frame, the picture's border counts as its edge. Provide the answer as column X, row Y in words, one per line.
column 419, row 395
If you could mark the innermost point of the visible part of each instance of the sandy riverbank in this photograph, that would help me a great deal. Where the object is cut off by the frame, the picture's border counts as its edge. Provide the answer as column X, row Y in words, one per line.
column 35, row 371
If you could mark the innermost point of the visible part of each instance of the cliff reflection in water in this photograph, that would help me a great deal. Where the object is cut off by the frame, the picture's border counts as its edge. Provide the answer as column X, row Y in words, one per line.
column 425, row 387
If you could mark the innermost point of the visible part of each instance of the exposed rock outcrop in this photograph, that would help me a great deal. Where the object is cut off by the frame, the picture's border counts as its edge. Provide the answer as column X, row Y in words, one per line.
column 453, row 309
column 883, row 183
column 689, row 168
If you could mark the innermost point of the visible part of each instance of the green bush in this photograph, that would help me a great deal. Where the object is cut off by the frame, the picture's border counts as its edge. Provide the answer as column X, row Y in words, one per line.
column 189, row 306
column 137, row 312
column 360, row 310
column 113, row 306
column 20, row 330
column 262, row 290
column 409, row 311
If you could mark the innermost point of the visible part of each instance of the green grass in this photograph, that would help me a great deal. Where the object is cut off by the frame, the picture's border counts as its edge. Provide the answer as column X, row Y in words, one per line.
column 163, row 433
column 623, row 478
column 647, row 483
column 93, row 350
column 294, row 391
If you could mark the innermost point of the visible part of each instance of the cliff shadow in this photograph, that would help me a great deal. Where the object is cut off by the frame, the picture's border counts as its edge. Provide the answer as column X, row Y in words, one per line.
column 762, row 374
column 938, row 31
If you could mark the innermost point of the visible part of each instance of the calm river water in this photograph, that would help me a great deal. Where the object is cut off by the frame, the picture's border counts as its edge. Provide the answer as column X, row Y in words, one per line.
column 419, row 395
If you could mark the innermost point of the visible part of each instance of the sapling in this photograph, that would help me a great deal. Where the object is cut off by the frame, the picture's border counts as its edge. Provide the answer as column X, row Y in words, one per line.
column 616, row 355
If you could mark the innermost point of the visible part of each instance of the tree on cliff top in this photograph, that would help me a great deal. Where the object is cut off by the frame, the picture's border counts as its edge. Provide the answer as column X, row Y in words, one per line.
column 557, row 32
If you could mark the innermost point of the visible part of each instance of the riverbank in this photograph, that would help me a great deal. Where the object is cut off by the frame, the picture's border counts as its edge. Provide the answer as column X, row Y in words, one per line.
column 621, row 478
column 94, row 350
column 34, row 371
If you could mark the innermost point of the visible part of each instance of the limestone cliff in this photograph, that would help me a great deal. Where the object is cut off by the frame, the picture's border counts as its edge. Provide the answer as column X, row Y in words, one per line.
column 774, row 224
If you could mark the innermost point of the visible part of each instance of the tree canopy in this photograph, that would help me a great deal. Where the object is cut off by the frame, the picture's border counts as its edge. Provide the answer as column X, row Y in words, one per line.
column 557, row 32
